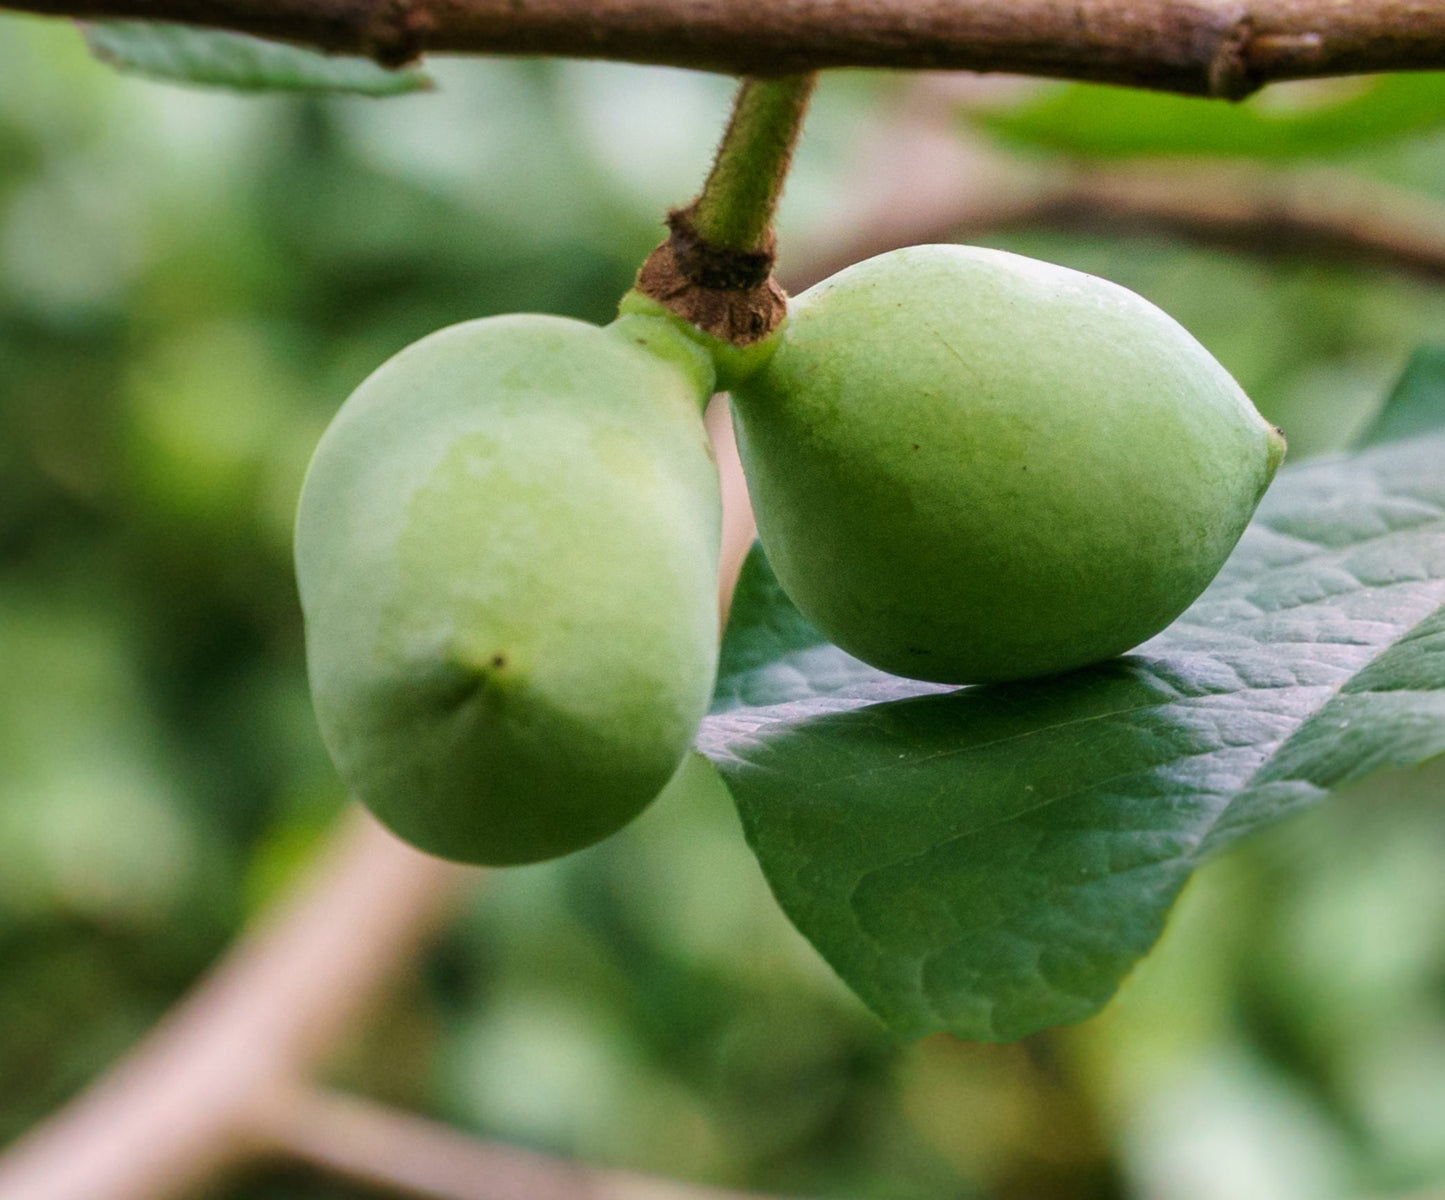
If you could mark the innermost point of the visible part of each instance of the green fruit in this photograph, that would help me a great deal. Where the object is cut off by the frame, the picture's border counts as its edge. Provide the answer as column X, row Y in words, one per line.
column 507, row 557
column 970, row 466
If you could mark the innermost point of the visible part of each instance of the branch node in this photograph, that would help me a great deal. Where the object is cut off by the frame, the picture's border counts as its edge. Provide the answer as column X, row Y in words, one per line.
column 394, row 32
column 1229, row 73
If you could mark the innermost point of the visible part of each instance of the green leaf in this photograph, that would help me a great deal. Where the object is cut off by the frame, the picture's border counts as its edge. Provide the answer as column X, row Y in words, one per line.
column 993, row 860
column 182, row 54
column 1392, row 714
column 772, row 654
column 1109, row 122
column 1417, row 403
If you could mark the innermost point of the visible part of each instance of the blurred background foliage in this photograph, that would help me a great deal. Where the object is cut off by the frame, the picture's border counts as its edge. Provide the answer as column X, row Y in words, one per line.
column 191, row 282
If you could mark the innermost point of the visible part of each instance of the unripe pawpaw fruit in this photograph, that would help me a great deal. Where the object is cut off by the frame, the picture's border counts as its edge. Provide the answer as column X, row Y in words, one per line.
column 970, row 466
column 506, row 550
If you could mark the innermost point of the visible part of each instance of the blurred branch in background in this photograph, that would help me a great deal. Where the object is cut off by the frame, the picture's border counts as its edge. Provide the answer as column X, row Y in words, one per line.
column 1323, row 214
column 740, row 530
column 380, row 1147
column 1212, row 49
column 189, row 1102
column 926, row 181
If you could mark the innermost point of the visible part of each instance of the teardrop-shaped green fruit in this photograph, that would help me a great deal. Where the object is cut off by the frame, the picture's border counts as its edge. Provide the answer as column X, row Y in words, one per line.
column 970, row 466
column 507, row 557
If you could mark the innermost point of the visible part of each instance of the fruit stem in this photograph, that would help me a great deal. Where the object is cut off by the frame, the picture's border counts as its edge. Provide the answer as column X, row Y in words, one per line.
column 735, row 209
column 715, row 270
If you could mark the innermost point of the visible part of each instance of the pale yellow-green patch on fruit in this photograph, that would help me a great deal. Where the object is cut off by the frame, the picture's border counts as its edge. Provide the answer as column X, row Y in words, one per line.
column 507, row 557
column 969, row 466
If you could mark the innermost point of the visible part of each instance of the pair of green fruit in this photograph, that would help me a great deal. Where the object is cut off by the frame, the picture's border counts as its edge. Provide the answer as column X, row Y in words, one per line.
column 967, row 467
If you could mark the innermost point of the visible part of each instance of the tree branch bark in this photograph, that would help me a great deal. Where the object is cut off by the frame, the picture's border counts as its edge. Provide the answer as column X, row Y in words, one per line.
column 1225, row 48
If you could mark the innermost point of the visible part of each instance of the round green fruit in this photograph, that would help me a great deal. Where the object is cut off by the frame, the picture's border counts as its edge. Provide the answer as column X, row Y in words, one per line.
column 507, row 557
column 969, row 466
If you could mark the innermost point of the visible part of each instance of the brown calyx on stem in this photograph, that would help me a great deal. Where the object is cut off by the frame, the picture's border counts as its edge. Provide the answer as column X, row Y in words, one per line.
column 730, row 294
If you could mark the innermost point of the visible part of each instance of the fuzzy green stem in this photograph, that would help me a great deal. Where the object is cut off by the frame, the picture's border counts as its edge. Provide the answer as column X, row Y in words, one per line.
column 715, row 268
column 735, row 210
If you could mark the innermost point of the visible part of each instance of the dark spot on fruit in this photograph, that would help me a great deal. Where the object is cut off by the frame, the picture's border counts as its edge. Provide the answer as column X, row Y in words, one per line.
column 915, row 445
column 918, row 650
column 499, row 661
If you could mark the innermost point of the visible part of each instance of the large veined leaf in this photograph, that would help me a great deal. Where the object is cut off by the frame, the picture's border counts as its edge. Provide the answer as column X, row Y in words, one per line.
column 771, row 653
column 993, row 860
column 1102, row 121
column 215, row 58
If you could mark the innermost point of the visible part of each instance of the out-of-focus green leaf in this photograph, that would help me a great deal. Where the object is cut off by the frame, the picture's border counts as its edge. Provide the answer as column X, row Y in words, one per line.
column 215, row 58
column 1110, row 122
column 1417, row 404
column 993, row 860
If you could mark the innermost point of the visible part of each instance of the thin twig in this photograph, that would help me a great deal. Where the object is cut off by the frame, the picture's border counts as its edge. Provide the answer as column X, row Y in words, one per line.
column 380, row 1147
column 1200, row 47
